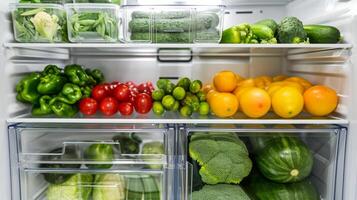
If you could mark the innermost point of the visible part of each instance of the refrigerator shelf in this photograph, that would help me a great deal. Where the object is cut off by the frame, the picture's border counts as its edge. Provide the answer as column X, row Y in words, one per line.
column 173, row 118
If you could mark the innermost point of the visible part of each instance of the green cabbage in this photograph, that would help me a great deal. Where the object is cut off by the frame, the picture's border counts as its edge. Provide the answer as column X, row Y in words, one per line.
column 78, row 187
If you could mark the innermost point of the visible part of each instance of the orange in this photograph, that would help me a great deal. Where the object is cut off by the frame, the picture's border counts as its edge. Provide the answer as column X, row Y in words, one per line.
column 287, row 102
column 255, row 102
column 279, row 78
column 239, row 78
column 246, row 83
column 320, row 100
column 225, row 81
column 224, row 104
column 305, row 83
column 263, row 81
column 210, row 94
column 208, row 87
column 279, row 84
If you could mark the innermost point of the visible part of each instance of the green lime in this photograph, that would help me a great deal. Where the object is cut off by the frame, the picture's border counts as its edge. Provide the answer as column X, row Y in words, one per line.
column 158, row 108
column 179, row 93
column 195, row 106
column 161, row 83
column 186, row 111
column 158, row 94
column 169, row 88
column 176, row 106
column 201, row 96
column 184, row 83
column 168, row 102
column 204, row 108
column 195, row 86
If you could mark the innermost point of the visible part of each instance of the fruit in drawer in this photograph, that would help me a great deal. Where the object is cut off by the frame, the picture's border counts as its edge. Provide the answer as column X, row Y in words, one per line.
column 285, row 160
column 305, row 83
column 279, row 78
column 225, row 81
column 195, row 86
column 246, row 83
column 220, row 192
column 223, row 104
column 320, row 100
column 263, row 189
column 57, row 155
column 287, row 102
column 122, row 93
column 223, row 157
column 275, row 86
column 99, row 153
column 255, row 102
column 108, row 187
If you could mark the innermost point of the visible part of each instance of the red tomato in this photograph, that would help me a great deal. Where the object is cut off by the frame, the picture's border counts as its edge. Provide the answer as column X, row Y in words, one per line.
column 142, row 87
column 99, row 92
column 108, row 106
column 126, row 108
column 143, row 103
column 114, row 85
column 88, row 106
column 107, row 88
column 121, row 92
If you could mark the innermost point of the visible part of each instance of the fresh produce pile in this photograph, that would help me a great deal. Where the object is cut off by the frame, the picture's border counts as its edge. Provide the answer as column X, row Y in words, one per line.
column 174, row 26
column 39, row 24
column 219, row 159
column 57, row 91
column 255, row 97
column 186, row 97
column 113, row 186
column 110, row 98
column 290, row 30
column 93, row 25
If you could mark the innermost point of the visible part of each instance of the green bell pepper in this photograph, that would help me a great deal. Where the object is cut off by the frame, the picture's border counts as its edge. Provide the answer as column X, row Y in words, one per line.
column 51, row 69
column 86, row 91
column 27, row 88
column 62, row 109
column 51, row 84
column 44, row 107
column 96, row 74
column 77, row 75
column 70, row 94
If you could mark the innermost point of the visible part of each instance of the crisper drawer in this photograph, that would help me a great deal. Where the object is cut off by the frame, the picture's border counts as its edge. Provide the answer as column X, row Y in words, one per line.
column 90, row 162
column 262, row 162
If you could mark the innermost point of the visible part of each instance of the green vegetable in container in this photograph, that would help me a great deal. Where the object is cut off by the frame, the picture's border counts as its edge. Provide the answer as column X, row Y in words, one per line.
column 108, row 187
column 96, row 74
column 52, row 69
column 70, row 94
column 86, row 91
column 99, row 153
column 58, row 154
column 323, row 34
column 184, row 37
column 223, row 157
column 77, row 187
column 99, row 24
column 221, row 192
column 26, row 88
column 154, row 148
column 162, row 14
column 77, row 75
column 51, row 84
column 43, row 108
column 39, row 25
column 291, row 30
column 129, row 143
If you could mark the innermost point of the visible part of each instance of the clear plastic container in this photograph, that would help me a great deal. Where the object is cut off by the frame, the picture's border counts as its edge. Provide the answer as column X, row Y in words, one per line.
column 96, row 1
column 172, row 24
column 92, row 22
column 45, row 1
column 28, row 20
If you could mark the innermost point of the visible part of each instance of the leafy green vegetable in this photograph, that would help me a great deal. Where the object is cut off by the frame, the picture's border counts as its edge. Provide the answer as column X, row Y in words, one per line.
column 220, row 192
column 223, row 157
column 93, row 25
column 291, row 30
column 78, row 187
column 153, row 148
column 108, row 187
column 39, row 25
column 99, row 153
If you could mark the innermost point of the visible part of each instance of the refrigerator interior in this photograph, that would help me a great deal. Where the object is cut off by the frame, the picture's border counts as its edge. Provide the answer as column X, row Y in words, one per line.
column 323, row 65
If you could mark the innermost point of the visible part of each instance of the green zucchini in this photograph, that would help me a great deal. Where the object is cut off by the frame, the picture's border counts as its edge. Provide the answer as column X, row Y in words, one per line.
column 322, row 34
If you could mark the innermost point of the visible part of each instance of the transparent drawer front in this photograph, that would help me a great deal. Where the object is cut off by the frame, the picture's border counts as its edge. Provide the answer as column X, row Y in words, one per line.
column 92, row 22
column 172, row 24
column 263, row 162
column 90, row 162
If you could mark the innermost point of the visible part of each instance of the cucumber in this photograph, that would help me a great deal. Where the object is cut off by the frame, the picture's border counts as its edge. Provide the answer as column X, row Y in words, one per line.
column 322, row 34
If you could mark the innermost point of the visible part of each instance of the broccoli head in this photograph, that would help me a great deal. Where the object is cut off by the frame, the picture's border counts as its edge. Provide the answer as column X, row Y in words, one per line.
column 223, row 157
column 291, row 30
column 220, row 192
